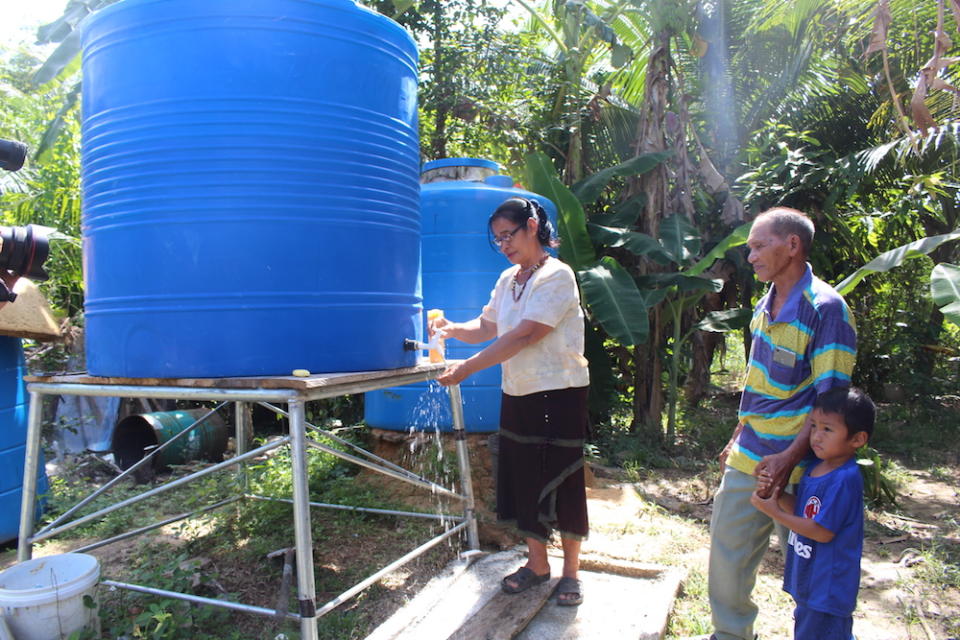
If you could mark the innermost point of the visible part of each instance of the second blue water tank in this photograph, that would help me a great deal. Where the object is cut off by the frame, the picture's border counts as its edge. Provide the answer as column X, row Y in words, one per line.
column 251, row 188
column 14, row 403
column 460, row 269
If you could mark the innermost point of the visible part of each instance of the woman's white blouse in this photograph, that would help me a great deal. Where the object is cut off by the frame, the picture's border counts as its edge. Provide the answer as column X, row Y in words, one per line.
column 551, row 297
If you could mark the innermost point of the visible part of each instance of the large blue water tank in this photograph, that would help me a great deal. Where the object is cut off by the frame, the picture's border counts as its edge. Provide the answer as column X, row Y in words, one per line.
column 460, row 268
column 251, row 188
column 13, row 437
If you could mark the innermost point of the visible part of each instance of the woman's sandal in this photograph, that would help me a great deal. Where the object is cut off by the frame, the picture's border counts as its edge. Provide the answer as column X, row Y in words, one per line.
column 569, row 587
column 522, row 579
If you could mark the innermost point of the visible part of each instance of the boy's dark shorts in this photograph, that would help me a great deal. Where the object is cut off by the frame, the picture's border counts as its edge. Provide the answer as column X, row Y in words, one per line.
column 816, row 625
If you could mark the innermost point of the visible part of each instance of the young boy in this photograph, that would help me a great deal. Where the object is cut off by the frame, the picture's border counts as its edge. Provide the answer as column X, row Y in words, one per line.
column 825, row 518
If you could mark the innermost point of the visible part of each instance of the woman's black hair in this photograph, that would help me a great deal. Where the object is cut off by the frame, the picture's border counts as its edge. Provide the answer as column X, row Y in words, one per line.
column 518, row 210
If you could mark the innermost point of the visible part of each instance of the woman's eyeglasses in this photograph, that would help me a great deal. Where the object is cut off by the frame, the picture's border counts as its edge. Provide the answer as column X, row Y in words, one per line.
column 506, row 238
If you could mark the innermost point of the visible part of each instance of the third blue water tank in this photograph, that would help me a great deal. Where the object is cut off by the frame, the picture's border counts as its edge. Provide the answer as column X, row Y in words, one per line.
column 251, row 188
column 460, row 268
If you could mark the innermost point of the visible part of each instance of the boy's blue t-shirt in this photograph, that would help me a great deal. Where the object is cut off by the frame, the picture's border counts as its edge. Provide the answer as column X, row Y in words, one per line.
column 826, row 576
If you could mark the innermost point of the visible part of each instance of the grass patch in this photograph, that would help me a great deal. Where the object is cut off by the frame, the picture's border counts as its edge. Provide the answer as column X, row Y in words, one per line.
column 222, row 554
column 691, row 611
column 915, row 431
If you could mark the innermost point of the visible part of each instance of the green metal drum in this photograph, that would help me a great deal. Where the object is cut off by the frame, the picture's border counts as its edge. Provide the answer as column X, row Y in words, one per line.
column 135, row 436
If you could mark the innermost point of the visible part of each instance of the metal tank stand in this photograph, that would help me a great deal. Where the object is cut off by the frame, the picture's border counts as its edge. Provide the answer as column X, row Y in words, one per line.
column 295, row 393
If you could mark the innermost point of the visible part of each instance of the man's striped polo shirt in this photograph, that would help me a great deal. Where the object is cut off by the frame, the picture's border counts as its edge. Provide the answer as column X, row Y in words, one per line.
column 809, row 348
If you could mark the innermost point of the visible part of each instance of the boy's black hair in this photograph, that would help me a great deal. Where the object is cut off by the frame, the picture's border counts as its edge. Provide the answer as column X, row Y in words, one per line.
column 853, row 405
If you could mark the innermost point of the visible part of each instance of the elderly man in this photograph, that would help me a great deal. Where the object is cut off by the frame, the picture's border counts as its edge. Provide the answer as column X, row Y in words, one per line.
column 804, row 343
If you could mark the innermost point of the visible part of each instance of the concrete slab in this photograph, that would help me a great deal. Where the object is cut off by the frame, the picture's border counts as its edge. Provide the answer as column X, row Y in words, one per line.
column 614, row 606
column 450, row 599
column 622, row 600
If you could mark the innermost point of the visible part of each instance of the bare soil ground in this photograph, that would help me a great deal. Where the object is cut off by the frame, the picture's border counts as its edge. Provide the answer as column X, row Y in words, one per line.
column 908, row 587
column 907, row 590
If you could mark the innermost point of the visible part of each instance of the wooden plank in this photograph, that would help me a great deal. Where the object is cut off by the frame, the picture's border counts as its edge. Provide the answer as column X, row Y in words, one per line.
column 316, row 381
column 506, row 614
column 31, row 316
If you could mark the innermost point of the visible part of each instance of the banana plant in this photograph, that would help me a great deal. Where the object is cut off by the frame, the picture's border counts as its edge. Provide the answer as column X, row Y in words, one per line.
column 609, row 290
column 879, row 489
column 618, row 300
column 685, row 288
column 894, row 258
column 65, row 59
column 945, row 289
column 583, row 40
column 62, row 66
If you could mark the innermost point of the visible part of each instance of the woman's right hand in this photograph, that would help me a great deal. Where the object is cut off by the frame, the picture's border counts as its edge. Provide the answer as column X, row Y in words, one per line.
column 439, row 325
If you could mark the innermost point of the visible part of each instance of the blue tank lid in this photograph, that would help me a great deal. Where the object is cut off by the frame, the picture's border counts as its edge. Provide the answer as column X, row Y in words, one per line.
column 461, row 162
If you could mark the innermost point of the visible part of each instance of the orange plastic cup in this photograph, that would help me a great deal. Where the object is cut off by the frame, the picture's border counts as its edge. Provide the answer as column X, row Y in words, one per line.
column 437, row 354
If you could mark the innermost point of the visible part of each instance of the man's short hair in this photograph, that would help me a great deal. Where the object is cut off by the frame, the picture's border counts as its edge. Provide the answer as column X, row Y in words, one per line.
column 786, row 221
column 853, row 405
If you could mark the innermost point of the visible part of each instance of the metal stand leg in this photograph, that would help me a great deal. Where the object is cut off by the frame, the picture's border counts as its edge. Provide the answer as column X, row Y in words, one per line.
column 306, row 588
column 31, row 465
column 243, row 422
column 463, row 456
column 224, row 392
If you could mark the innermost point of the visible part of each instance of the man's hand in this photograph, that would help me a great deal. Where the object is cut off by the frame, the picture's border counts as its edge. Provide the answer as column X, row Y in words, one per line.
column 774, row 472
column 764, row 483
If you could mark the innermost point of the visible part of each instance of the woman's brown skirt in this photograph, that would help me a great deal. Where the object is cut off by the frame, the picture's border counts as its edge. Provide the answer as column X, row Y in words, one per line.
column 540, row 483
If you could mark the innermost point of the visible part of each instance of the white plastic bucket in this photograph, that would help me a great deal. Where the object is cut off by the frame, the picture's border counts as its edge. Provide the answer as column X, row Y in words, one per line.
column 43, row 598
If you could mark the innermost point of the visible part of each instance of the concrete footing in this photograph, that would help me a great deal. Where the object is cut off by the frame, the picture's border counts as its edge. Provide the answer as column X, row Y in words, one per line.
column 622, row 600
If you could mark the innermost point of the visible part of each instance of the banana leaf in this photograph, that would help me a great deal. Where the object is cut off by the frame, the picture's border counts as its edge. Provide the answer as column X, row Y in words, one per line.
column 679, row 239
column 622, row 214
column 726, row 320
column 615, row 301
column 58, row 123
column 576, row 249
column 590, row 188
column 682, row 281
column 945, row 290
column 65, row 58
column 894, row 258
column 637, row 243
column 603, row 382
column 735, row 239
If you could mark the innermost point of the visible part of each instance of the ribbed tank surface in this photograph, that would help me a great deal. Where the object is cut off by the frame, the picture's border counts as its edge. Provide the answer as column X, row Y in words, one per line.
column 250, row 180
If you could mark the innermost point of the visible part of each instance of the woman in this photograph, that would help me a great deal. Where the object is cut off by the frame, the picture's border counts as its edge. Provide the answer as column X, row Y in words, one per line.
column 534, row 313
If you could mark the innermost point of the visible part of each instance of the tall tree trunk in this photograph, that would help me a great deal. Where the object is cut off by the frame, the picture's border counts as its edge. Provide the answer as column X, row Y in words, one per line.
column 438, row 140
column 648, row 398
column 705, row 343
column 651, row 136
